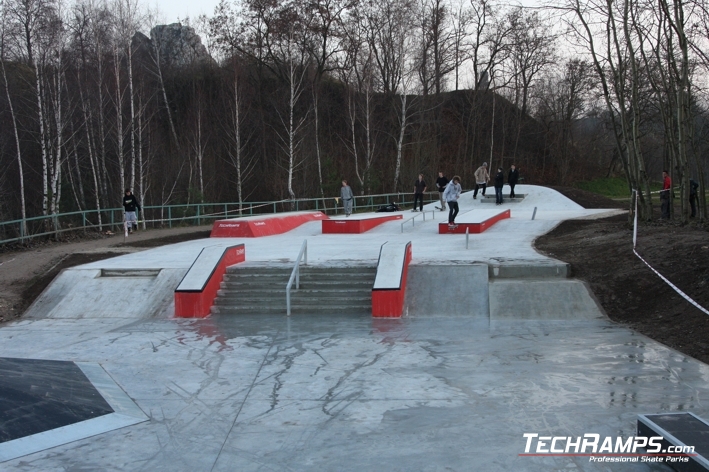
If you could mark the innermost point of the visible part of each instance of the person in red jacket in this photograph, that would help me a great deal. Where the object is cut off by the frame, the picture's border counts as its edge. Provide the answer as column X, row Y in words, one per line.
column 665, row 194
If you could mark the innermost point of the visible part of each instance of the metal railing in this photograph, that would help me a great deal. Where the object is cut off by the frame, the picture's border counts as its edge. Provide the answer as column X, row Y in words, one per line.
column 193, row 214
column 295, row 275
column 413, row 218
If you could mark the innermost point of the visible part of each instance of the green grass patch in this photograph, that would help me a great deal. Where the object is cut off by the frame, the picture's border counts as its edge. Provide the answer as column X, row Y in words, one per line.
column 611, row 187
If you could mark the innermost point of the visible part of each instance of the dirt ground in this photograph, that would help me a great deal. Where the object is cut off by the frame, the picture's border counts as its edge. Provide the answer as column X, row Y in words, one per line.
column 601, row 253
column 26, row 271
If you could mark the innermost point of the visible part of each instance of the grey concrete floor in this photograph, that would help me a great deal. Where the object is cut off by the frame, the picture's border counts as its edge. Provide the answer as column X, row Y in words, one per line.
column 257, row 393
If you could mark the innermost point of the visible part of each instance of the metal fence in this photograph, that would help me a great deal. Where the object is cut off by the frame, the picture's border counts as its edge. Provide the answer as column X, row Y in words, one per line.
column 193, row 214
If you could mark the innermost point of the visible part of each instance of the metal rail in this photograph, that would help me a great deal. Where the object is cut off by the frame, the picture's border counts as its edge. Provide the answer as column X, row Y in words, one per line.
column 295, row 275
column 182, row 214
column 413, row 218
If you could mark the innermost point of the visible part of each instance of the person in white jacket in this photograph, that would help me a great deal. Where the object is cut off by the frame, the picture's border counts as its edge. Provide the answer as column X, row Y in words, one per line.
column 451, row 195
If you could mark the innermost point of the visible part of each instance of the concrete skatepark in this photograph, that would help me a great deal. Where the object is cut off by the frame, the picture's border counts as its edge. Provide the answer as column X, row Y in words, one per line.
column 496, row 341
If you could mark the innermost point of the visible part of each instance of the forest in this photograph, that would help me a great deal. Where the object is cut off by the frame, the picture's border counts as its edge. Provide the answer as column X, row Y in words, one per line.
column 282, row 99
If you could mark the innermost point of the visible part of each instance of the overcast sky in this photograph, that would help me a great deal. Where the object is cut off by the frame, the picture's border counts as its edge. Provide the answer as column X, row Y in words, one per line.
column 171, row 10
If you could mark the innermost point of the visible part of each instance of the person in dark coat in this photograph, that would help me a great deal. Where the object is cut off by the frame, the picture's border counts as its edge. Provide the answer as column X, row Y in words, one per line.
column 131, row 204
column 499, row 182
column 441, row 183
column 512, row 179
column 693, row 188
column 665, row 195
column 419, row 190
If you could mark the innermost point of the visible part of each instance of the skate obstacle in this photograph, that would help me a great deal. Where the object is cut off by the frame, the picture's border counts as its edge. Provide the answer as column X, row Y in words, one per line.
column 389, row 287
column 685, row 432
column 356, row 224
column 263, row 225
column 475, row 221
column 195, row 294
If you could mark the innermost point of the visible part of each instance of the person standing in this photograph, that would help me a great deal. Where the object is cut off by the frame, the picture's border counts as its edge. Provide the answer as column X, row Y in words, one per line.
column 130, row 205
column 347, row 197
column 512, row 179
column 419, row 189
column 499, row 182
column 441, row 183
column 693, row 188
column 665, row 194
column 451, row 195
column 482, row 177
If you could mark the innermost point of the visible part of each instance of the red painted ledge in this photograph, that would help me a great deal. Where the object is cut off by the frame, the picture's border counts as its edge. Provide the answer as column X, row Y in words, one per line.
column 388, row 298
column 263, row 225
column 196, row 292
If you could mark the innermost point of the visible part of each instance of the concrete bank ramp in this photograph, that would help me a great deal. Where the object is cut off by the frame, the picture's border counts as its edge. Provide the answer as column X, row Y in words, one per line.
column 447, row 290
column 108, row 293
column 550, row 299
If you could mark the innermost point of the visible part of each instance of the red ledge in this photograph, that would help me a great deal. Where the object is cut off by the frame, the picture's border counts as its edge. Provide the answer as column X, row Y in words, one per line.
column 196, row 303
column 473, row 228
column 267, row 225
column 388, row 303
column 355, row 225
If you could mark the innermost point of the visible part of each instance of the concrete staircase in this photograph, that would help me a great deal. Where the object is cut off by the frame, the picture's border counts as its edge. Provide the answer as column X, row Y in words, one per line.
column 323, row 290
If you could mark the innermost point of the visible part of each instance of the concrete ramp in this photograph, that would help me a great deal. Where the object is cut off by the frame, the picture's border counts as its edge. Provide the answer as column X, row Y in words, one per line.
column 541, row 300
column 103, row 293
column 447, row 290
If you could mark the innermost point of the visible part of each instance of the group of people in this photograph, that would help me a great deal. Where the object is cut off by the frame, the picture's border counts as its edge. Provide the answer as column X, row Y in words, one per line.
column 665, row 195
column 448, row 190
column 482, row 178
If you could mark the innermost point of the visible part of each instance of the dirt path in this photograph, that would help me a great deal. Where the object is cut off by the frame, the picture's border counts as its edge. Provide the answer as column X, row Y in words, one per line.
column 24, row 273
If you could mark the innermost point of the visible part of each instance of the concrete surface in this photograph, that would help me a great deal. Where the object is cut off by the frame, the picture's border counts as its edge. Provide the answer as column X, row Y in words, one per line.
column 448, row 387
column 257, row 393
column 542, row 300
column 447, row 290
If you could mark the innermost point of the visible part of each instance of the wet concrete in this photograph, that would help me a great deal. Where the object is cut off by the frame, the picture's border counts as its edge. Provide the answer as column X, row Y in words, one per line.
column 352, row 393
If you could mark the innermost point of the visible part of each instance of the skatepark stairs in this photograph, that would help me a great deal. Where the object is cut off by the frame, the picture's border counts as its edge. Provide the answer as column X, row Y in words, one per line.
column 323, row 290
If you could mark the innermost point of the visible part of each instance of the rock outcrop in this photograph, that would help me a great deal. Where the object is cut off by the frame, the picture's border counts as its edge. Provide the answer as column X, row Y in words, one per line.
column 179, row 45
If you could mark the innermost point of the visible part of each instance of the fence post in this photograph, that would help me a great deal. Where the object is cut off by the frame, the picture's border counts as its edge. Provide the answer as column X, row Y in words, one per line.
column 169, row 216
column 198, row 219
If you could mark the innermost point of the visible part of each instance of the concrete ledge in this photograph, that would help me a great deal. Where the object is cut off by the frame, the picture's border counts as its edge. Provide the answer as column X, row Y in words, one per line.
column 196, row 292
column 357, row 224
column 390, row 281
column 527, row 271
column 505, row 197
column 263, row 225
column 475, row 221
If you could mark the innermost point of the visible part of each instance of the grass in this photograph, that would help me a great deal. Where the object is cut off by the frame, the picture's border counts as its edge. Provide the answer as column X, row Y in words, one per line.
column 611, row 187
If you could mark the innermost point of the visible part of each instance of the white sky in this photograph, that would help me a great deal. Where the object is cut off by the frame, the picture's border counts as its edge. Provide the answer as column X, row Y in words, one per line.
column 171, row 10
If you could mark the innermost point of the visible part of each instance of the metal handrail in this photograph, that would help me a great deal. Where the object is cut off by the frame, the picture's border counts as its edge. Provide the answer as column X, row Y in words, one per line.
column 295, row 275
column 195, row 213
column 413, row 218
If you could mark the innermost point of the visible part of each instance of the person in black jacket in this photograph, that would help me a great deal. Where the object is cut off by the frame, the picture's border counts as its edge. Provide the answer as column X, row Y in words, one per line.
column 130, row 204
column 693, row 187
column 441, row 183
column 499, row 182
column 419, row 190
column 512, row 178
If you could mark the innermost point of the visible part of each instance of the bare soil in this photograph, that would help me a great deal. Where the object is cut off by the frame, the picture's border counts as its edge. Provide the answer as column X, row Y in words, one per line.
column 25, row 271
column 601, row 253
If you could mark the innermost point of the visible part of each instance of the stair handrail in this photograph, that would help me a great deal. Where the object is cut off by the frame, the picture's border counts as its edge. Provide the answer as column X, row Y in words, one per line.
column 295, row 274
